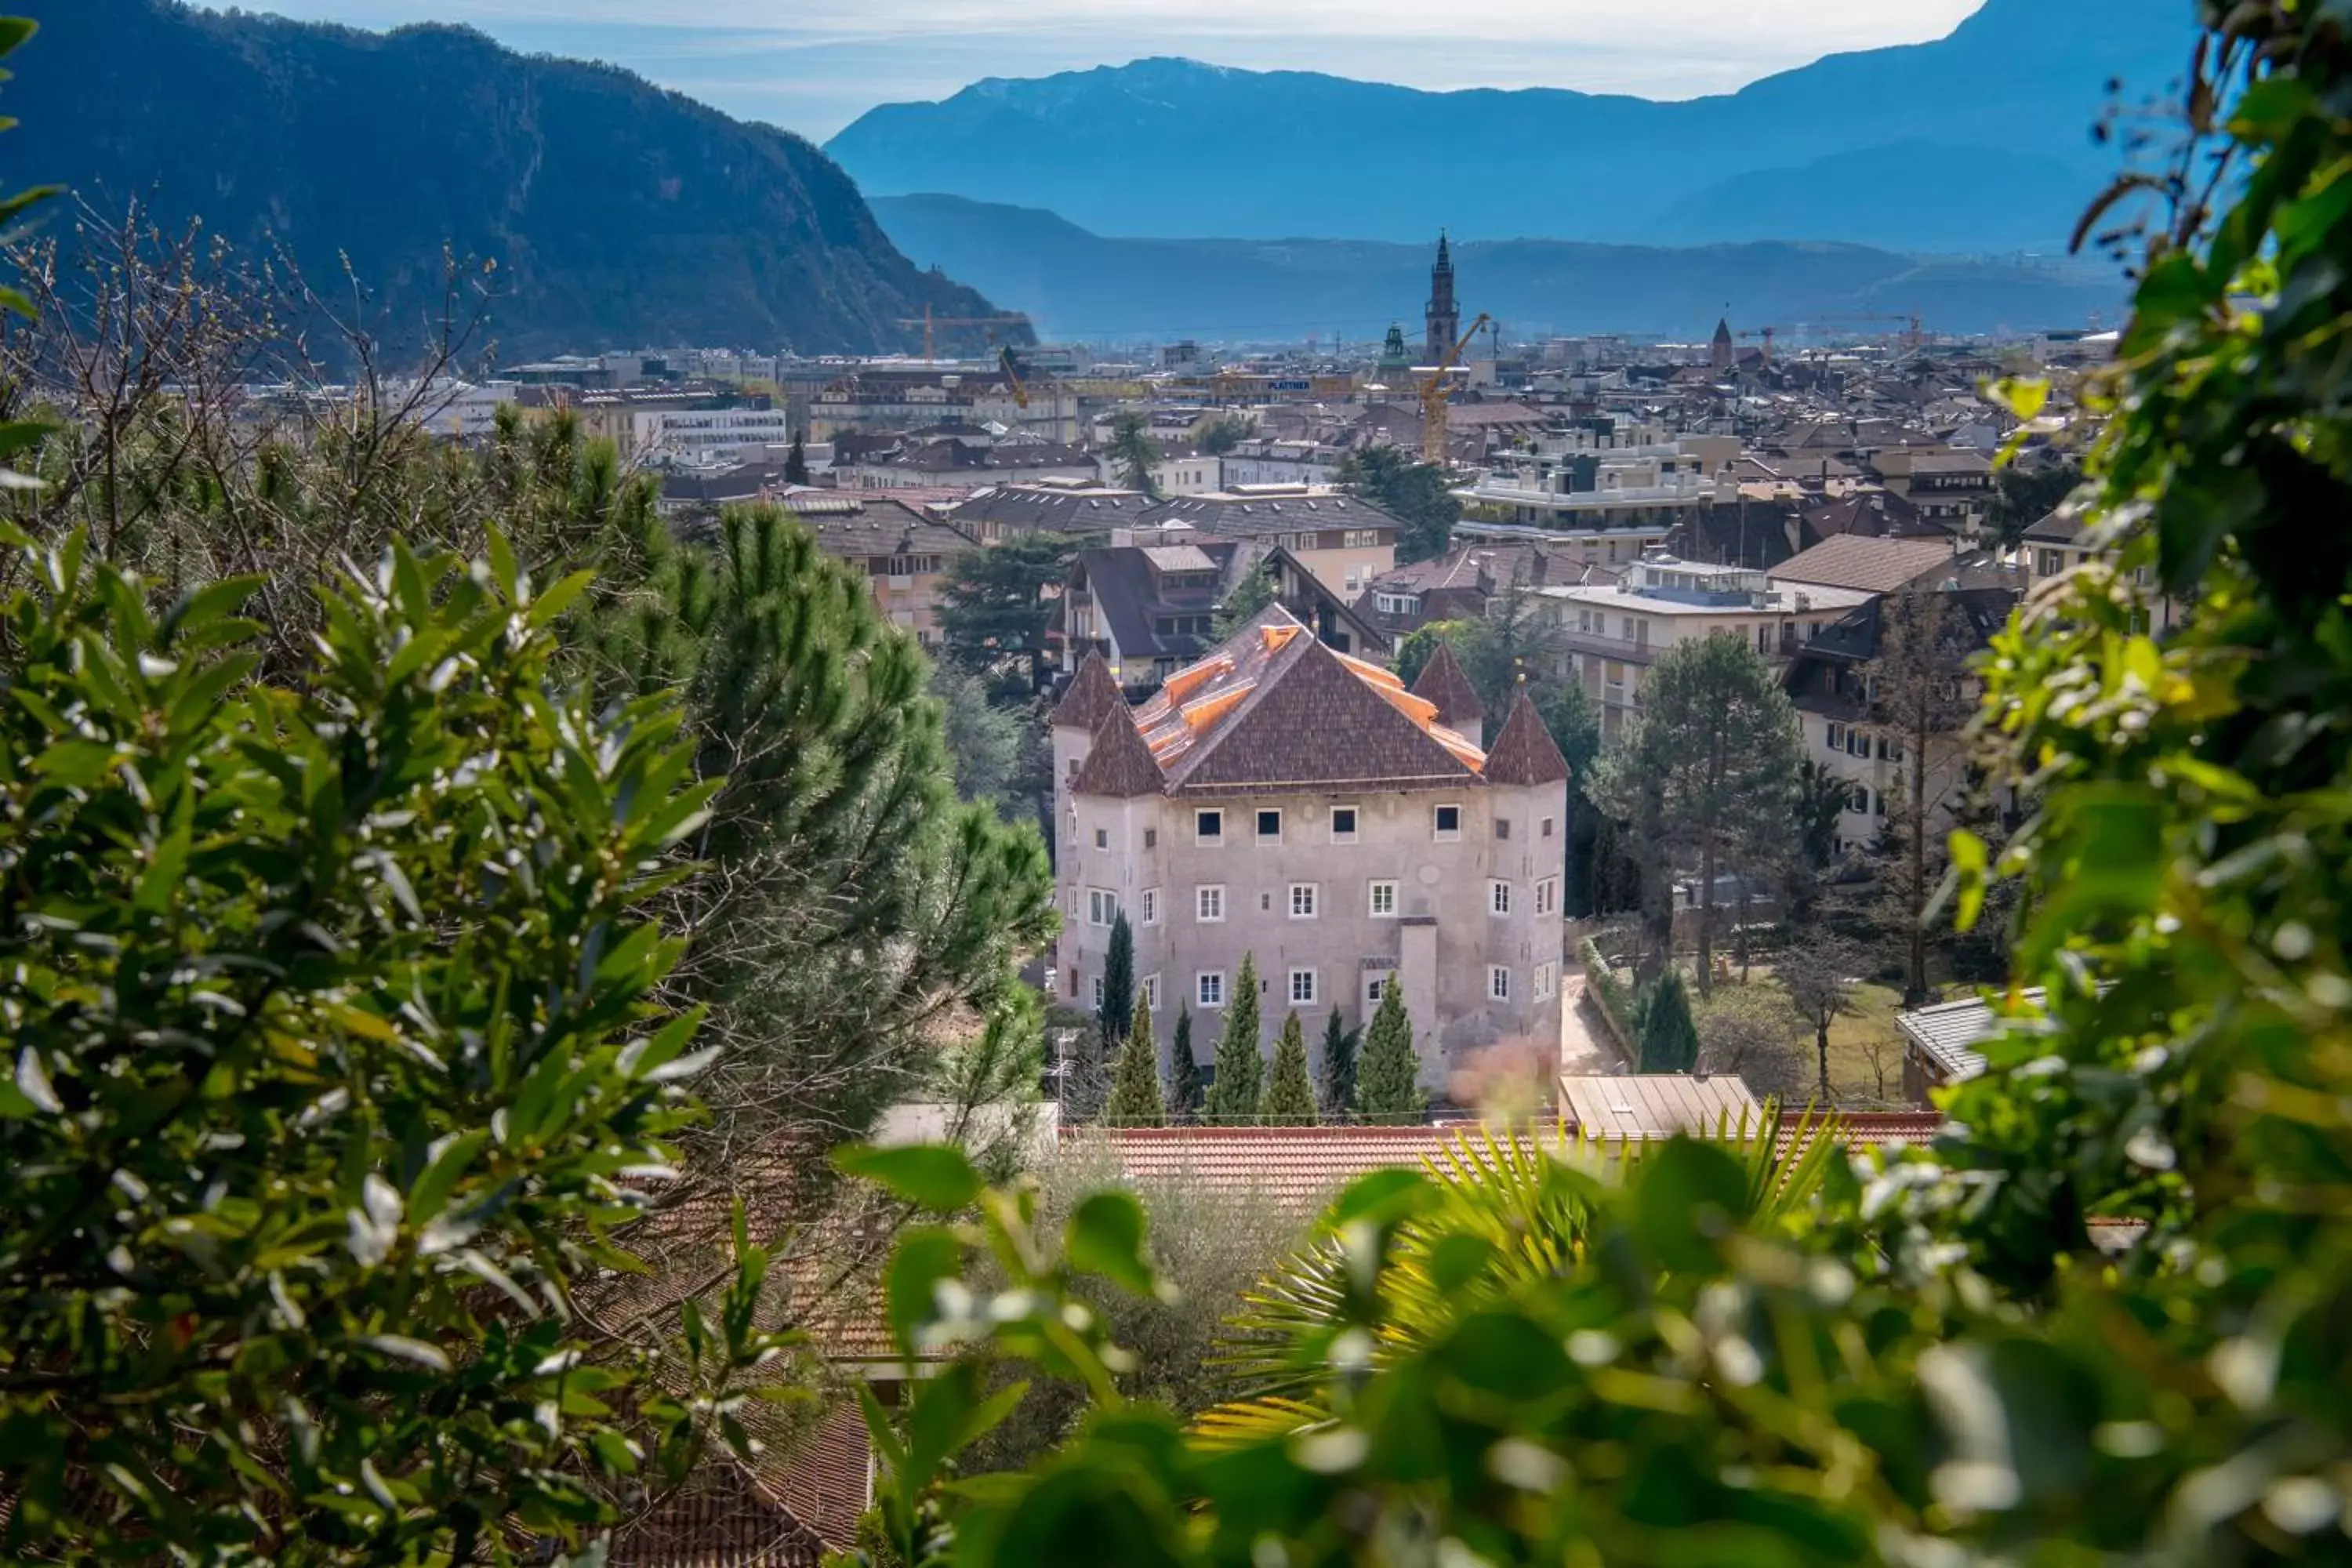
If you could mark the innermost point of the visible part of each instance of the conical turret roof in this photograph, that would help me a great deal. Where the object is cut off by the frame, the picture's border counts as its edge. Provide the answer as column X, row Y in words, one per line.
column 1444, row 682
column 1525, row 752
column 1092, row 694
column 1120, row 764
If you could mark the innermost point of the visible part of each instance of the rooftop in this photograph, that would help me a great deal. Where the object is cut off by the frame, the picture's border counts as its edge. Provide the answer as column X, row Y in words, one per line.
column 1949, row 1033
column 1871, row 564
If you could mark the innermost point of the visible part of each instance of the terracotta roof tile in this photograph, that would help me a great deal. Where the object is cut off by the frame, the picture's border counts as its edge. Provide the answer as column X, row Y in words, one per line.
column 1444, row 682
column 1525, row 752
column 1093, row 693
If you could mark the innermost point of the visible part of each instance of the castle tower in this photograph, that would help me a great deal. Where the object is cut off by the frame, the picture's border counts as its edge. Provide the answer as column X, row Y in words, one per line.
column 1444, row 316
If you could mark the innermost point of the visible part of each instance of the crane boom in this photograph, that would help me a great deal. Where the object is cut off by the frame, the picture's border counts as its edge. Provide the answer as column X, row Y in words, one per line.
column 1434, row 394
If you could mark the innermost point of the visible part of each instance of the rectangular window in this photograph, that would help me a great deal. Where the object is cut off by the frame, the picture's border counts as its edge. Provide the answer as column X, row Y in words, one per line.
column 1209, row 903
column 1270, row 827
column 1302, row 900
column 1343, row 824
column 1209, row 988
column 1547, row 981
column 1498, row 897
column 1102, row 838
column 1373, row 988
column 1498, row 983
column 1547, row 828
column 1384, row 900
column 1878, row 804
column 1302, row 988
column 1546, row 897
column 1151, row 839
column 1447, row 820
column 1503, row 827
column 1207, row 827
column 1151, row 906
column 1857, row 744
column 1102, row 906
column 1098, row 992
column 1836, row 736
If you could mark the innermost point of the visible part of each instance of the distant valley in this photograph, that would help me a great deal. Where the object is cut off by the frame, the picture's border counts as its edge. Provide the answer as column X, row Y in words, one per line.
column 1075, row 283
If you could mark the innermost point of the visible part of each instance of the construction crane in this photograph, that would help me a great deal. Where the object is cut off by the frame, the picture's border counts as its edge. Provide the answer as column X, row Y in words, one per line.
column 1011, row 368
column 928, row 321
column 1435, row 393
column 1912, row 336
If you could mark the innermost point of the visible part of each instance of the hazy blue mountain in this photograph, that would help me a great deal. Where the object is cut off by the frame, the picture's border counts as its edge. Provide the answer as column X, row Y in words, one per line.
column 1175, row 147
column 619, row 215
column 1935, row 196
column 1075, row 283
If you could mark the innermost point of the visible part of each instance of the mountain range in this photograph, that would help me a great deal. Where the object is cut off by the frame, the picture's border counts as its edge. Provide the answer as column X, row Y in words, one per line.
column 1979, row 141
column 619, row 215
column 1078, row 284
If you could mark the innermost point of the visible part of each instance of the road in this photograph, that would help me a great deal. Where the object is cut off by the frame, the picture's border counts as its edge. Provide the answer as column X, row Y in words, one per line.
column 1584, row 1048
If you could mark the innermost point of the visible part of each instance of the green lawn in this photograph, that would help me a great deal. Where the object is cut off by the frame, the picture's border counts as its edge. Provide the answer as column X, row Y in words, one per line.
column 1852, row 1078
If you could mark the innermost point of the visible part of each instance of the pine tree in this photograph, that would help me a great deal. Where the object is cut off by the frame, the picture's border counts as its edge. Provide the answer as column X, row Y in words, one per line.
column 1669, row 1041
column 796, row 468
column 1183, row 1072
column 1234, row 1096
column 1116, row 1014
column 1339, row 1066
column 1290, row 1094
column 1135, row 1086
column 1388, row 1089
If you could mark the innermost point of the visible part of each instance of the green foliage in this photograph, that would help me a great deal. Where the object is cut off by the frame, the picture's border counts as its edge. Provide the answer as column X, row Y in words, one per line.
column 1224, row 433
column 984, row 742
column 1183, row 1071
column 1134, row 455
column 1614, row 997
column 1707, row 780
column 1669, row 1039
column 1339, row 1076
column 1419, row 495
column 995, row 603
column 1135, row 1082
column 1116, row 1011
column 336, row 1038
column 2026, row 494
column 1388, row 1087
column 1253, row 591
column 1751, row 1032
column 1240, row 1070
column 796, row 468
column 862, row 907
column 1290, row 1092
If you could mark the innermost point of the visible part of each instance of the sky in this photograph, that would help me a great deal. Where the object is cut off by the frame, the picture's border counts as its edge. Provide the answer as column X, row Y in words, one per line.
column 813, row 65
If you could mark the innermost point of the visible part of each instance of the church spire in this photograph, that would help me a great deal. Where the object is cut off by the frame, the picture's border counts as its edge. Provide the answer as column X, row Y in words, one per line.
column 1445, row 317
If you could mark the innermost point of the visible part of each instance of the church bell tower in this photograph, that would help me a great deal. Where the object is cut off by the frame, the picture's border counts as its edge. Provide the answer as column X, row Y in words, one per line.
column 1444, row 316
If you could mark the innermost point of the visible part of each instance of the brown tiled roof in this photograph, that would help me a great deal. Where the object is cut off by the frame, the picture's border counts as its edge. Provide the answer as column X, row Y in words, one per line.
column 1867, row 565
column 1444, row 682
column 1274, row 709
column 1294, row 1169
column 1120, row 764
column 1093, row 693
column 1525, row 752
column 721, row 1519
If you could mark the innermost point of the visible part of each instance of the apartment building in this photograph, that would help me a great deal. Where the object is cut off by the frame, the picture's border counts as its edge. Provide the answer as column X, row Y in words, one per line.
column 903, row 553
column 1280, row 799
column 1613, row 634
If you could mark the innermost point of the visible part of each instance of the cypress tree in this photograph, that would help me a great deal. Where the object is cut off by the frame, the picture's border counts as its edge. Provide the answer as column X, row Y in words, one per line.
column 1289, row 1096
column 1135, row 1087
column 1234, row 1097
column 1116, row 1014
column 1388, row 1089
column 1669, row 1041
column 1339, row 1066
column 796, row 468
column 1183, row 1072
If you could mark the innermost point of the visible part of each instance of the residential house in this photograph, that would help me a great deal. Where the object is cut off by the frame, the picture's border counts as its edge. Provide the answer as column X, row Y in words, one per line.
column 2060, row 543
column 1952, row 489
column 1148, row 607
column 904, row 553
column 1282, row 800
column 1612, row 633
column 1343, row 540
column 1828, row 681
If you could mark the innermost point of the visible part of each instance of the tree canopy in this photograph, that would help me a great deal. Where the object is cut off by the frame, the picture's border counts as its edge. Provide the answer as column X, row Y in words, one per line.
column 1419, row 495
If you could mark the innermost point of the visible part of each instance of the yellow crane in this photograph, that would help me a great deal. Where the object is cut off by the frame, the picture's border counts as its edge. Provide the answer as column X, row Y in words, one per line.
column 1011, row 368
column 928, row 321
column 1434, row 392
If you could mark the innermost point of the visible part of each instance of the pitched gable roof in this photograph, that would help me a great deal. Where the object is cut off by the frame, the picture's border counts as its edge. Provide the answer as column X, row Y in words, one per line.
column 1871, row 565
column 1444, row 682
column 1092, row 694
column 1525, row 752
column 1272, row 709
column 1121, row 765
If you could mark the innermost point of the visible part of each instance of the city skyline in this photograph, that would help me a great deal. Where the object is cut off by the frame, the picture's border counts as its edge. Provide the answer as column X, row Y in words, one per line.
column 830, row 61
